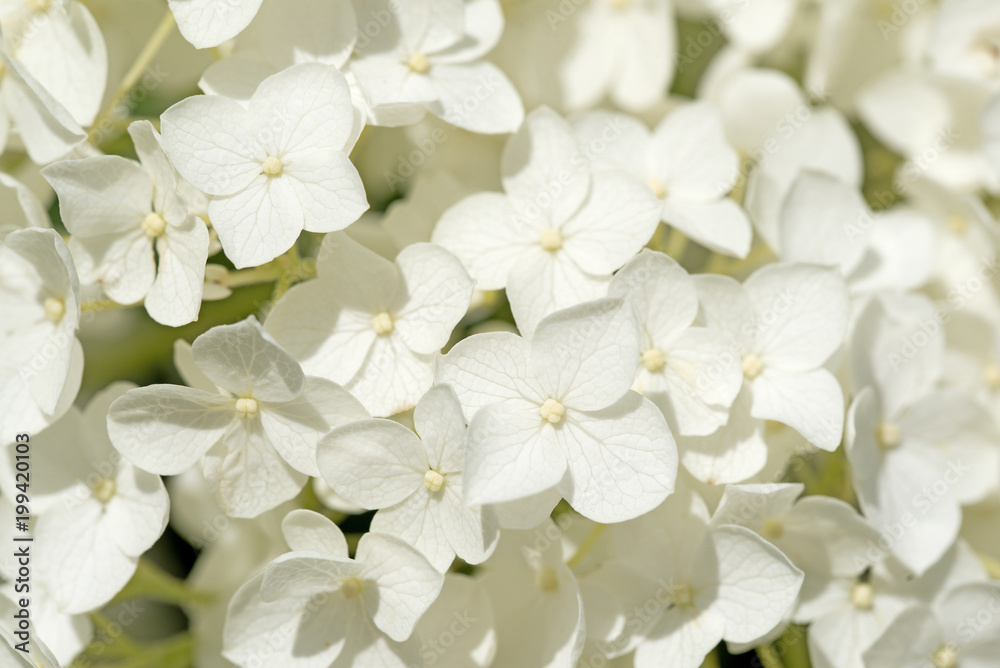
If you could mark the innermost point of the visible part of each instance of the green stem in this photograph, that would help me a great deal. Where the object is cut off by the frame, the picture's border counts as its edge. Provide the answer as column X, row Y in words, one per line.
column 768, row 657
column 586, row 545
column 153, row 46
column 152, row 582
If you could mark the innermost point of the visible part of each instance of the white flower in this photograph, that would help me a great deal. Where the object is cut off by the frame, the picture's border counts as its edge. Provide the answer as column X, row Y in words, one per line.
column 46, row 128
column 788, row 320
column 962, row 41
column 207, row 23
column 687, row 164
column 692, row 373
column 431, row 59
column 373, row 325
column 856, row 608
column 97, row 513
column 821, row 535
column 274, row 168
column 558, row 411
column 954, row 632
column 41, row 360
column 558, row 233
column 934, row 123
column 131, row 231
column 65, row 634
column 61, row 47
column 754, row 26
column 282, row 35
column 708, row 583
column 257, row 434
column 316, row 607
column 622, row 50
column 537, row 602
column 416, row 479
column 826, row 222
column 915, row 456
column 821, row 141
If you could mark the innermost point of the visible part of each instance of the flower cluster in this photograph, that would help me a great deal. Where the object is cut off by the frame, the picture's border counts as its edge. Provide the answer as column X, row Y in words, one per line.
column 629, row 333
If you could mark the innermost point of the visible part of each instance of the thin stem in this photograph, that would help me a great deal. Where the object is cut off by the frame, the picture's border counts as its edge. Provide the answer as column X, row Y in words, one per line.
column 150, row 581
column 586, row 545
column 768, row 657
column 103, row 305
column 153, row 46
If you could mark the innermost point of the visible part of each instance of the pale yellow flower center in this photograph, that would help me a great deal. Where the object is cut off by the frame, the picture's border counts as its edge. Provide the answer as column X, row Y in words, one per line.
column 656, row 185
column 552, row 411
column 946, row 656
column 957, row 224
column 55, row 308
column 433, row 480
column 246, row 407
column 382, row 323
column 991, row 375
column 551, row 239
column 862, row 596
column 887, row 434
column 39, row 5
column 272, row 166
column 418, row 63
column 350, row 588
column 752, row 366
column 683, row 595
column 154, row 225
column 653, row 359
column 104, row 490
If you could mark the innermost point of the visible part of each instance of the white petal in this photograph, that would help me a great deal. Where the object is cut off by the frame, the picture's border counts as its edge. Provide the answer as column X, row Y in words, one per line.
column 802, row 313
column 622, row 460
column 542, row 170
column 511, row 453
column 721, row 225
column 438, row 420
column 294, row 427
column 165, row 429
column 488, row 368
column 542, row 283
column 478, row 97
column 306, row 531
column 373, row 463
column 438, row 295
column 174, row 299
column 138, row 510
column 586, row 356
column 825, row 222
column 811, row 402
column 689, row 154
column 616, row 220
column 663, row 294
column 81, row 561
column 250, row 475
column 756, row 583
column 207, row 23
column 260, row 222
column 210, row 141
column 101, row 195
column 407, row 585
column 246, row 361
column 483, row 231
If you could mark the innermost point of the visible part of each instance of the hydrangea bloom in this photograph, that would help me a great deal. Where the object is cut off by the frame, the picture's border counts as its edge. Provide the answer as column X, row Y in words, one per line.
column 255, row 435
